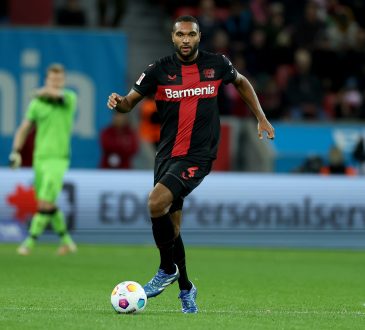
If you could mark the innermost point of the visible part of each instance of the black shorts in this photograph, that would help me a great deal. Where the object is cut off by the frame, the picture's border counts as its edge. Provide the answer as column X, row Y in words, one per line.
column 181, row 176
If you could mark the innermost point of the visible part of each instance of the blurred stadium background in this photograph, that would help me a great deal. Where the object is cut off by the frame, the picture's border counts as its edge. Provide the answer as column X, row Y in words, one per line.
column 306, row 60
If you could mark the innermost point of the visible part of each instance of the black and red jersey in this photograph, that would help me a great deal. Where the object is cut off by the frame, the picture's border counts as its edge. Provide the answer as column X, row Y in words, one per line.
column 186, row 100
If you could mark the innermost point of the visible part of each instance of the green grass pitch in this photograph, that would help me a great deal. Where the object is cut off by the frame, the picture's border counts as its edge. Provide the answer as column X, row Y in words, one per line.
column 237, row 289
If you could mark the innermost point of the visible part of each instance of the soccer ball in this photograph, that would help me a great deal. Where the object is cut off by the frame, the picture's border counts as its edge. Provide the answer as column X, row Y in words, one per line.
column 128, row 297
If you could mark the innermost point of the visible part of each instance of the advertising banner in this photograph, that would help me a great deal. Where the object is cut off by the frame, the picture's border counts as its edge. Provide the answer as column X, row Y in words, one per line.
column 227, row 208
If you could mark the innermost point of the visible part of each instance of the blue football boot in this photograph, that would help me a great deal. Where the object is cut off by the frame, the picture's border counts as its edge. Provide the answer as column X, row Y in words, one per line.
column 188, row 300
column 159, row 282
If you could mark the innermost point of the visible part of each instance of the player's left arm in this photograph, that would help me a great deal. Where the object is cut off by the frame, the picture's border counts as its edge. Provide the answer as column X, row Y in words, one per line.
column 50, row 93
column 248, row 94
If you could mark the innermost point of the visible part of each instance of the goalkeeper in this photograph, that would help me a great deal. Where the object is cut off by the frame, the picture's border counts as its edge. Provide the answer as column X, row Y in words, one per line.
column 52, row 112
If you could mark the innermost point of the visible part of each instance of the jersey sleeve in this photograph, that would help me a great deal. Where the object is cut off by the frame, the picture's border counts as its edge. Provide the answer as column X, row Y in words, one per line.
column 31, row 113
column 229, row 73
column 147, row 82
column 70, row 100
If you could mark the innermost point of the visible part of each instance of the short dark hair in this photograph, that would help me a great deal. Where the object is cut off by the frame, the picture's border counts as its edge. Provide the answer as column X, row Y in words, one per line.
column 185, row 18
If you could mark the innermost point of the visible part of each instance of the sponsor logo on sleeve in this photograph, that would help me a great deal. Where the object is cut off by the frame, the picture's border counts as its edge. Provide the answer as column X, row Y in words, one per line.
column 138, row 82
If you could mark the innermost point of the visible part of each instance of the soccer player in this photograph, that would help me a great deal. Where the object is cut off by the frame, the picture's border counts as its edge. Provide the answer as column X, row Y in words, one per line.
column 52, row 112
column 185, row 86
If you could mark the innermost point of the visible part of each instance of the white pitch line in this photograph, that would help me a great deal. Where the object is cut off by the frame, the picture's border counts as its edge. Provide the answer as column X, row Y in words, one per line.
column 232, row 312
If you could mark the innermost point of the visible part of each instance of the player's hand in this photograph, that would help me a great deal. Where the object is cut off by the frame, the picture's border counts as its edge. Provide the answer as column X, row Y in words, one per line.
column 264, row 125
column 113, row 100
column 15, row 159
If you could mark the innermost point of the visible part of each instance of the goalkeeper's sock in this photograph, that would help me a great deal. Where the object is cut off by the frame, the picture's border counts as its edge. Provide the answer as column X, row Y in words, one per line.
column 37, row 226
column 29, row 242
column 59, row 226
column 163, row 233
column 179, row 259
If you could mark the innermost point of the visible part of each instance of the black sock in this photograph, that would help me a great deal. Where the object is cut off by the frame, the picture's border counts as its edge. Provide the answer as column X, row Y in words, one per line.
column 163, row 232
column 179, row 258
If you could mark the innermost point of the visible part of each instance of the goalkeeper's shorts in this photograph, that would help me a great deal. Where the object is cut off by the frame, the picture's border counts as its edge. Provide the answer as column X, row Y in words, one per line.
column 49, row 175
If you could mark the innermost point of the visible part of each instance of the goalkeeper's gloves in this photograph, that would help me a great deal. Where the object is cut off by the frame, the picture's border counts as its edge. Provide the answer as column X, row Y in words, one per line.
column 15, row 159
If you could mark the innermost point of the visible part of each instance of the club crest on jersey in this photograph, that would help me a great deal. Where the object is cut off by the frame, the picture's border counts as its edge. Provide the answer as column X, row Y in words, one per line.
column 171, row 77
column 190, row 172
column 208, row 73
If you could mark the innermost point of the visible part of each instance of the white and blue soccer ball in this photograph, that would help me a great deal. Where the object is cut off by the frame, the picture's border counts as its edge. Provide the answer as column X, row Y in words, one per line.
column 128, row 297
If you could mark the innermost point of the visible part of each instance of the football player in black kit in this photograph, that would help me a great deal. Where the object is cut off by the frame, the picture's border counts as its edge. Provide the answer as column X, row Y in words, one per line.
column 185, row 86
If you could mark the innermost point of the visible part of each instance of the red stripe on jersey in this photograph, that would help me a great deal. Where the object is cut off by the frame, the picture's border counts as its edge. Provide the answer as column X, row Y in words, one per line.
column 188, row 94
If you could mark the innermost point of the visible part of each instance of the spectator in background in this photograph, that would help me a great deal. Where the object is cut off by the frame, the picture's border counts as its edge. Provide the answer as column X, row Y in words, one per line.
column 149, row 132
column 4, row 11
column 310, row 27
column 220, row 43
column 304, row 92
column 336, row 163
column 232, row 103
column 278, row 34
column 119, row 143
column 258, row 55
column 150, row 123
column 207, row 21
column 311, row 165
column 71, row 14
column 260, row 11
column 343, row 32
column 350, row 105
column 271, row 99
column 239, row 24
column 359, row 153
column 114, row 8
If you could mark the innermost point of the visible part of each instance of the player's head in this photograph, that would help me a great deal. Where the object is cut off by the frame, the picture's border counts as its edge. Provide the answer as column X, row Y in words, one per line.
column 55, row 76
column 186, row 37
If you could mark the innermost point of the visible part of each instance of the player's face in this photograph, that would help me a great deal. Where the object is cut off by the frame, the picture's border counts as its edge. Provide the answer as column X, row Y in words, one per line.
column 186, row 38
column 55, row 80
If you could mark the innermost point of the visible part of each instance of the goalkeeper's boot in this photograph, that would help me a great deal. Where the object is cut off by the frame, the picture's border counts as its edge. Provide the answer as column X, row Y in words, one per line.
column 68, row 248
column 25, row 249
column 159, row 282
column 188, row 298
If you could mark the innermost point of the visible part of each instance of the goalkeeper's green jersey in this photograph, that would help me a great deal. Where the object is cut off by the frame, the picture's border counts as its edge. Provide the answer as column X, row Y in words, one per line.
column 54, row 121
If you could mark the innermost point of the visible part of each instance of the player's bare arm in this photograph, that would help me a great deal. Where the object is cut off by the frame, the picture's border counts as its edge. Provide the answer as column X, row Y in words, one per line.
column 248, row 94
column 124, row 103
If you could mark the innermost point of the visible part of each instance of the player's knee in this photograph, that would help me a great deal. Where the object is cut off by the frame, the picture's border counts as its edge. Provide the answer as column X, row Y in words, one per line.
column 157, row 206
column 46, row 206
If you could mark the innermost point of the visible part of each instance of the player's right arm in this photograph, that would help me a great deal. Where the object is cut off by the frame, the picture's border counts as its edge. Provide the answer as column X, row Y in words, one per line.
column 19, row 139
column 145, row 85
column 124, row 103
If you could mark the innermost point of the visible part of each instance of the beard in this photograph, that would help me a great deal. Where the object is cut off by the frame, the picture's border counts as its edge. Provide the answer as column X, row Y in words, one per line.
column 188, row 56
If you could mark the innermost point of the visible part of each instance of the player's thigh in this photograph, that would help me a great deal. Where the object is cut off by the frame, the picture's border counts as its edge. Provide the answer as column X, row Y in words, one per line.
column 49, row 179
column 183, row 176
column 161, row 196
